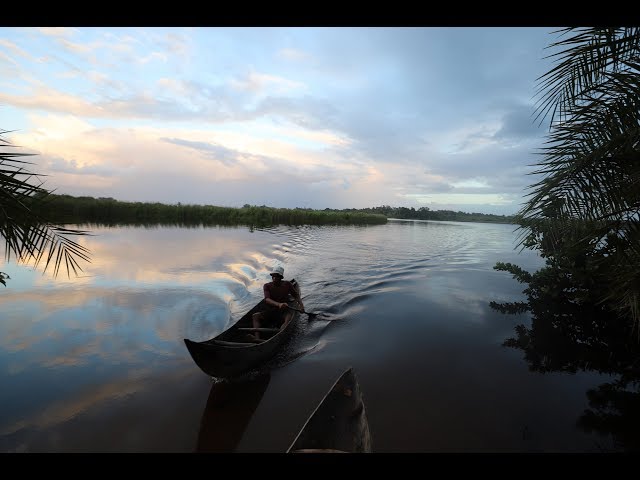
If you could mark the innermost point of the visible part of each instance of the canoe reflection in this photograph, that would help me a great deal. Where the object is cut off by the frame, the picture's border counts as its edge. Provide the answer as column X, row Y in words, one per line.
column 230, row 406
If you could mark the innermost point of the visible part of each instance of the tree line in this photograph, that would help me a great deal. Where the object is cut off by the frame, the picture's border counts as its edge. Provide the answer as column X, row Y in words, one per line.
column 68, row 209
column 424, row 213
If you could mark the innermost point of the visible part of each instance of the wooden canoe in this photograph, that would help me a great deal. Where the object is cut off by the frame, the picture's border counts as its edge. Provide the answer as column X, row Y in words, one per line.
column 234, row 352
column 339, row 422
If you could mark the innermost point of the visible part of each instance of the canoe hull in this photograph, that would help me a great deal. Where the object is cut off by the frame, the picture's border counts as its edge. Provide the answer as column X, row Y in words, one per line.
column 339, row 423
column 227, row 356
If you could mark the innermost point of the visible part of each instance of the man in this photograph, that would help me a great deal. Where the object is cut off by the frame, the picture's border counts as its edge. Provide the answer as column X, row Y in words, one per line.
column 276, row 293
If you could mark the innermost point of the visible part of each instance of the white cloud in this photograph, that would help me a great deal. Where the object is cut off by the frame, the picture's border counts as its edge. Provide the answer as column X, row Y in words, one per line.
column 462, row 198
column 264, row 83
column 293, row 54
column 15, row 49
column 471, row 183
column 58, row 31
column 415, row 114
column 161, row 56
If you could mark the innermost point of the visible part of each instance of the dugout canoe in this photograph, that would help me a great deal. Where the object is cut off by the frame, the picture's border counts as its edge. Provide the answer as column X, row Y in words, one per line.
column 234, row 352
column 339, row 422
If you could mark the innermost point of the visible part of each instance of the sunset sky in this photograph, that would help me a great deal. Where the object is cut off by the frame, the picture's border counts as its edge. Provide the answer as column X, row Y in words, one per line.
column 315, row 117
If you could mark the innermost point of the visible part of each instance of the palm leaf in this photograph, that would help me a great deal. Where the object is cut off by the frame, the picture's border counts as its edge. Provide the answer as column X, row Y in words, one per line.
column 28, row 236
column 586, row 203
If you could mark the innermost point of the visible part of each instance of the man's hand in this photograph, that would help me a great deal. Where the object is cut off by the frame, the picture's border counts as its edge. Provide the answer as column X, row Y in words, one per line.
column 282, row 305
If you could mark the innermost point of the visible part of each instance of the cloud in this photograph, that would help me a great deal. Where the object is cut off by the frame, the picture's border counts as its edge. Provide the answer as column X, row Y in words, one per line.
column 519, row 124
column 308, row 112
column 222, row 154
column 57, row 32
column 256, row 82
column 15, row 49
column 58, row 165
column 293, row 54
column 177, row 45
column 404, row 111
column 161, row 56
column 112, row 161
column 77, row 48
column 53, row 101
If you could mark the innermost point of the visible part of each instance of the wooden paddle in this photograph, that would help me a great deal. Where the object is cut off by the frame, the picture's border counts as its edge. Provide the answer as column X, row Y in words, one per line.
column 311, row 315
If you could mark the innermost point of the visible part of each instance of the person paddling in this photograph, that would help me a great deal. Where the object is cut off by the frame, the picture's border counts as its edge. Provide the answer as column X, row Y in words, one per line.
column 276, row 293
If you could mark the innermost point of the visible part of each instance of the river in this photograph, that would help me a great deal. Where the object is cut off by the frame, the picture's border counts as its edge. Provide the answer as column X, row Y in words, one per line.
column 97, row 363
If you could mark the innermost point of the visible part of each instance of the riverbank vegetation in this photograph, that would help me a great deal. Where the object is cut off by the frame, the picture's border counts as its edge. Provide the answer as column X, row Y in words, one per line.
column 109, row 211
column 424, row 213
column 583, row 217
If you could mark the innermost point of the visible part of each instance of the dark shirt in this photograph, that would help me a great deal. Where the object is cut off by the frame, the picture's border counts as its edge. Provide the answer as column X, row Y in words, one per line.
column 279, row 293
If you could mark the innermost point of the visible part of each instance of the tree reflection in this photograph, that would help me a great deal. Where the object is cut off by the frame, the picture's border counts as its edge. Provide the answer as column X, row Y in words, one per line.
column 615, row 410
column 582, row 218
column 566, row 335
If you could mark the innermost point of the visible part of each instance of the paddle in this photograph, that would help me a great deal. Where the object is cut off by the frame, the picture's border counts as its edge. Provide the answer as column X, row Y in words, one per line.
column 311, row 315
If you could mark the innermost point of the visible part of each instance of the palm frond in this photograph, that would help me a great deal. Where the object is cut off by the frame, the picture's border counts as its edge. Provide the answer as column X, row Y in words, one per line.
column 28, row 236
column 586, row 206
column 585, row 57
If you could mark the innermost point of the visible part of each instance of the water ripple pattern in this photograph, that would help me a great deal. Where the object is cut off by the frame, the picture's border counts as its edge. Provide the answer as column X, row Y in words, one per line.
column 350, row 264
column 380, row 292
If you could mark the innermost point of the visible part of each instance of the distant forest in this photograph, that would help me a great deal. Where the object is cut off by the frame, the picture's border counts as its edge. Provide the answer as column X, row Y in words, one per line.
column 424, row 213
column 67, row 209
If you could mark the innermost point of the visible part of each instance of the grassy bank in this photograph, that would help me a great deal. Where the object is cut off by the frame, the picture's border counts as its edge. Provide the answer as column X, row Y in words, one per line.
column 108, row 211
column 89, row 210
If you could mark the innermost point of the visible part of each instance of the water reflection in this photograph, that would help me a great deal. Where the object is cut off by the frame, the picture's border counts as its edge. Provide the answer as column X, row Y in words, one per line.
column 123, row 256
column 99, row 363
column 570, row 338
column 229, row 409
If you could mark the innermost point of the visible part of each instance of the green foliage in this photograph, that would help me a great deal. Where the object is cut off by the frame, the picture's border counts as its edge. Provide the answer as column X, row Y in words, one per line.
column 108, row 211
column 522, row 276
column 424, row 213
column 586, row 207
column 29, row 234
column 583, row 218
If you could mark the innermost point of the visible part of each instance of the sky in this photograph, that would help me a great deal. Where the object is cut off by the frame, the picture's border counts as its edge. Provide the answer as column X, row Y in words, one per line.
column 310, row 117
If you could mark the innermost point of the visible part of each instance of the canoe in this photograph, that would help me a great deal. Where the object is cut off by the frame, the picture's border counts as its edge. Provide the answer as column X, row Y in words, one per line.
column 234, row 352
column 339, row 422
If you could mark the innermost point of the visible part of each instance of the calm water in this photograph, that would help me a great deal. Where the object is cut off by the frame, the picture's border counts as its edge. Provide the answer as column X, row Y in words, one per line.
column 98, row 363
